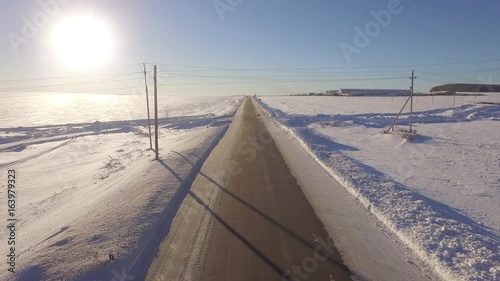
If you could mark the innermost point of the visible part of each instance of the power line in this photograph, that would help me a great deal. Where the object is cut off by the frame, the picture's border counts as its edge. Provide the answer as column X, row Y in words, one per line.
column 434, row 80
column 283, row 81
column 66, row 77
column 180, row 75
column 328, row 68
column 279, row 75
column 463, row 71
column 290, row 72
column 46, row 87
column 295, row 75
column 74, row 75
column 458, row 78
column 106, row 89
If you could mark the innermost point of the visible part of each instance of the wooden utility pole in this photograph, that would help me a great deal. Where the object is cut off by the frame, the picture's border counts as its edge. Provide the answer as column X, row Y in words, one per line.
column 156, row 114
column 411, row 98
column 147, row 104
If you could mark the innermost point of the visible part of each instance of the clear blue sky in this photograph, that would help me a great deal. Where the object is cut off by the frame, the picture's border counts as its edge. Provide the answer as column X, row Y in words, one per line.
column 299, row 39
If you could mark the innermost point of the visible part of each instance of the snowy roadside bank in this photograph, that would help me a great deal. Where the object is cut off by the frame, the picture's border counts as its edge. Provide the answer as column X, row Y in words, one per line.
column 136, row 265
column 365, row 245
column 455, row 246
column 109, row 200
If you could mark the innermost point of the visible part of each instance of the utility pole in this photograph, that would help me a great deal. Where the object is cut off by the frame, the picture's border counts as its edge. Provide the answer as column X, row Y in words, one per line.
column 156, row 114
column 397, row 116
column 147, row 104
column 411, row 98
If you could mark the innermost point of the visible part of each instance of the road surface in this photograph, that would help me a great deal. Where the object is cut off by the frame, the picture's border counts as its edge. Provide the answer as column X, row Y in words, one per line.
column 251, row 223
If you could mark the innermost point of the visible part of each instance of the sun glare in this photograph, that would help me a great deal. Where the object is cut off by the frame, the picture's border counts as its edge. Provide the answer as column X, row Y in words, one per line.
column 82, row 41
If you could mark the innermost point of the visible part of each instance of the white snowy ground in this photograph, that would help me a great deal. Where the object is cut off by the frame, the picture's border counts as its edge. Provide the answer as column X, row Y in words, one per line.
column 87, row 189
column 439, row 194
column 38, row 109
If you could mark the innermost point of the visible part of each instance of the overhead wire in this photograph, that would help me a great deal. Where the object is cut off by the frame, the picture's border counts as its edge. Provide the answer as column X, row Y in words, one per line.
column 219, row 75
column 329, row 68
column 282, row 81
column 67, row 77
column 68, row 85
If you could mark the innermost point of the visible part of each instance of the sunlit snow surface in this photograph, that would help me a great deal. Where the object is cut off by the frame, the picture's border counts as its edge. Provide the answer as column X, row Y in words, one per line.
column 439, row 194
column 38, row 109
column 86, row 182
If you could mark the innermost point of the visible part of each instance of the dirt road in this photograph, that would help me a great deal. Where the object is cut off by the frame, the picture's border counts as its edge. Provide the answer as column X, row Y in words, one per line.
column 262, row 226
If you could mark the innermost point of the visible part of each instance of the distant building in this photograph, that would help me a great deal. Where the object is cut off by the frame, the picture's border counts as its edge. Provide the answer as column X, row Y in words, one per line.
column 333, row 92
column 374, row 92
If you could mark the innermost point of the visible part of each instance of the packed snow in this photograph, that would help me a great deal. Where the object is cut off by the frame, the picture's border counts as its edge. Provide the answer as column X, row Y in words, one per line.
column 438, row 194
column 87, row 185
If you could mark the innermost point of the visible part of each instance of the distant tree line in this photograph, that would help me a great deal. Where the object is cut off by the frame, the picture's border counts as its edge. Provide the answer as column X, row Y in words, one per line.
column 482, row 88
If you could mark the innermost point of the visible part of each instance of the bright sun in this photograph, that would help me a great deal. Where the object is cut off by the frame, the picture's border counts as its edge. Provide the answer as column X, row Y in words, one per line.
column 82, row 41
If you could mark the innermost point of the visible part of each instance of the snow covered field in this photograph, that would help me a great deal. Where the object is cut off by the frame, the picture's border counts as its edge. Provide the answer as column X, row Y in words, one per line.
column 40, row 109
column 86, row 189
column 439, row 194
